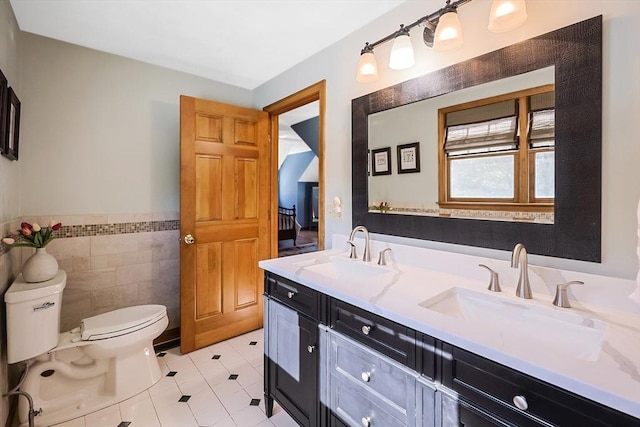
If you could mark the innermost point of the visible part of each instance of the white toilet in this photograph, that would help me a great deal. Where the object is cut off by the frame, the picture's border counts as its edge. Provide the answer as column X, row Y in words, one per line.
column 106, row 360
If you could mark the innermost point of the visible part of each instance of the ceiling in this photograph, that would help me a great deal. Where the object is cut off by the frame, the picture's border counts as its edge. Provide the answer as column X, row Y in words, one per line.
column 240, row 42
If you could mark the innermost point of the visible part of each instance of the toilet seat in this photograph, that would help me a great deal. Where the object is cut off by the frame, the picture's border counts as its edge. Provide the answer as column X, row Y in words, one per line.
column 121, row 322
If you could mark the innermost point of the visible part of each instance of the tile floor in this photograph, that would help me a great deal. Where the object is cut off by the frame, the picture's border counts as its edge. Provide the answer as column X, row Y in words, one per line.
column 217, row 386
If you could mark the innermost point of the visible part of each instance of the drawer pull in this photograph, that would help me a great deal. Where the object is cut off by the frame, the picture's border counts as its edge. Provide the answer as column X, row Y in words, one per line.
column 366, row 376
column 366, row 421
column 310, row 348
column 520, row 402
column 365, row 330
column 291, row 294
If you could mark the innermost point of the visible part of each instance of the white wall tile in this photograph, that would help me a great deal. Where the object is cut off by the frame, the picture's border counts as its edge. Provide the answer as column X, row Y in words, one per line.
column 113, row 244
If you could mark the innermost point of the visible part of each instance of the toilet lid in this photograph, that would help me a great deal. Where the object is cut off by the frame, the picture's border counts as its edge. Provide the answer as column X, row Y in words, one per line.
column 120, row 322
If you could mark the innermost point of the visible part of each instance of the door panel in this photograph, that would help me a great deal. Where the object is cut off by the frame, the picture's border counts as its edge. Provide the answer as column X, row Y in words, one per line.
column 208, row 188
column 246, row 188
column 246, row 264
column 208, row 280
column 224, row 205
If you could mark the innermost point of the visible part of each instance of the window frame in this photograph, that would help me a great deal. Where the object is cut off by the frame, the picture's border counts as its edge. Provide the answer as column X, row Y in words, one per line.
column 524, row 160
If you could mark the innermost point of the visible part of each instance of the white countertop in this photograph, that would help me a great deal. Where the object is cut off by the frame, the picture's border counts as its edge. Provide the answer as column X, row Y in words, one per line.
column 612, row 378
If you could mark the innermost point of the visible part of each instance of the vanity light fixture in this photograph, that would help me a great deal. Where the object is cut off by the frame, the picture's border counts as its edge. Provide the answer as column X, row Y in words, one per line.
column 506, row 15
column 448, row 32
column 367, row 66
column 442, row 31
column 401, row 56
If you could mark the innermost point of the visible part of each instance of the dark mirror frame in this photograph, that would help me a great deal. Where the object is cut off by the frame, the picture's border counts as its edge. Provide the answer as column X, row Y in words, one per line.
column 576, row 53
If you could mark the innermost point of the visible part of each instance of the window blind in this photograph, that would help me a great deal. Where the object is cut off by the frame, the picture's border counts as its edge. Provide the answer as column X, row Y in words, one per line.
column 481, row 129
column 542, row 120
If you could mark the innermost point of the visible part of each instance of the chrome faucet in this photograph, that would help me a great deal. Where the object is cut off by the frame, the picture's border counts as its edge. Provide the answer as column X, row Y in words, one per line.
column 519, row 258
column 366, row 257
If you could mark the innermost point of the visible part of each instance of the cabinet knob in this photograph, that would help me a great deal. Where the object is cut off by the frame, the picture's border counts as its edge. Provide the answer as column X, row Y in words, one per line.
column 290, row 294
column 366, row 421
column 366, row 329
column 310, row 348
column 366, row 376
column 520, row 402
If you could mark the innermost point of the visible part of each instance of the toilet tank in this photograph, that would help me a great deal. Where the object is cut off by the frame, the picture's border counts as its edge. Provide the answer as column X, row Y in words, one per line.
column 33, row 316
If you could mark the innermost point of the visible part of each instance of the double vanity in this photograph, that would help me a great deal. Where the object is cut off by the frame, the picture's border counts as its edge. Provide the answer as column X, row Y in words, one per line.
column 415, row 338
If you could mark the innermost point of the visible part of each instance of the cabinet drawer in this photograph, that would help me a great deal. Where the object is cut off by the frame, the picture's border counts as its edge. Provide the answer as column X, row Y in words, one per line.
column 389, row 338
column 383, row 378
column 494, row 386
column 295, row 295
column 355, row 407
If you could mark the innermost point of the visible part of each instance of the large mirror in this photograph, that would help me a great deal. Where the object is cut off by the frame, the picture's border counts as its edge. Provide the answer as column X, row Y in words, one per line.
column 574, row 56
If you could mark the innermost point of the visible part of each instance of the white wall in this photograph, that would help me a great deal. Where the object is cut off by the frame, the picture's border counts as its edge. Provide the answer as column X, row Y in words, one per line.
column 621, row 107
column 100, row 133
column 9, row 194
column 9, row 171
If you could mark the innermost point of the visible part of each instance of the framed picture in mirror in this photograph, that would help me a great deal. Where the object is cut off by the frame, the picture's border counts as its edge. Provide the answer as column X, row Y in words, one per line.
column 381, row 161
column 409, row 158
column 4, row 90
column 12, row 126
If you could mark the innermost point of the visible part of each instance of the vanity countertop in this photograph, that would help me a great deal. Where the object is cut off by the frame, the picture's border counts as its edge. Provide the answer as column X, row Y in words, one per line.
column 611, row 376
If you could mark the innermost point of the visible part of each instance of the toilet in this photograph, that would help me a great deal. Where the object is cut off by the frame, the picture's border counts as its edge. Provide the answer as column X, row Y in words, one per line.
column 107, row 359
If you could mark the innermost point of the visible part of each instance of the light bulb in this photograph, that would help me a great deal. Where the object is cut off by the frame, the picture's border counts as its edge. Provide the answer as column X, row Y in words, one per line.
column 506, row 15
column 367, row 67
column 448, row 32
column 401, row 56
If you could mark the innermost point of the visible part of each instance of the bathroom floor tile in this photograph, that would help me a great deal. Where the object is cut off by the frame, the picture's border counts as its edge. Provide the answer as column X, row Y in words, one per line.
column 107, row 417
column 78, row 422
column 139, row 413
column 214, row 399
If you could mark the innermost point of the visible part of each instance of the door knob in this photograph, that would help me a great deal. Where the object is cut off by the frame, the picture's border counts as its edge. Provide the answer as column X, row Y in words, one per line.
column 310, row 348
column 366, row 329
column 189, row 240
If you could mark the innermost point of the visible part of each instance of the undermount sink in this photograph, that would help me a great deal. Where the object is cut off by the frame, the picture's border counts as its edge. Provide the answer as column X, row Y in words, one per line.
column 340, row 267
column 558, row 330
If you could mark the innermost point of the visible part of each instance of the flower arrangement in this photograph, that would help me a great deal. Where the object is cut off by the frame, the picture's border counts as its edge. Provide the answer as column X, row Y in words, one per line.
column 382, row 207
column 32, row 235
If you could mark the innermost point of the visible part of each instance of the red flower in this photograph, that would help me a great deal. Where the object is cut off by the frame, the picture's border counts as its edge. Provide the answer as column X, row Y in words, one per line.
column 26, row 225
column 56, row 227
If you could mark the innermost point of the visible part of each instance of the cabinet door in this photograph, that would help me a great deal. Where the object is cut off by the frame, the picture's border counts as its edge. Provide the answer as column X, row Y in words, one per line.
column 458, row 413
column 425, row 403
column 293, row 363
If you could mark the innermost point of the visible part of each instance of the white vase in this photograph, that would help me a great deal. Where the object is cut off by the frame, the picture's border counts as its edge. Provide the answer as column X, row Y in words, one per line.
column 40, row 267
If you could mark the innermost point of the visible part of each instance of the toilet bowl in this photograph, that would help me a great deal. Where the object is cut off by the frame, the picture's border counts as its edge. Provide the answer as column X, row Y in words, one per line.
column 107, row 359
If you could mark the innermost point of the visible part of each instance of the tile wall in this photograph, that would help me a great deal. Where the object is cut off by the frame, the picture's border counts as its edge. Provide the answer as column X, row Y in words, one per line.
column 112, row 261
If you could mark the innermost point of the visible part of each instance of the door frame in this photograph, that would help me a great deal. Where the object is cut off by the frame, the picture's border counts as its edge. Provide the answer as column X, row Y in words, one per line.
column 315, row 92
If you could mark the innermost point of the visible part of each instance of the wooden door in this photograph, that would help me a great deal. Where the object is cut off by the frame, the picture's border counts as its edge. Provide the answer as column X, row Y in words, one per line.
column 224, row 207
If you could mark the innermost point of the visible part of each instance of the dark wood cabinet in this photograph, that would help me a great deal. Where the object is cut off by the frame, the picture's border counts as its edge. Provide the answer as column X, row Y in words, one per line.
column 295, row 384
column 292, row 349
column 454, row 387
column 519, row 399
column 389, row 338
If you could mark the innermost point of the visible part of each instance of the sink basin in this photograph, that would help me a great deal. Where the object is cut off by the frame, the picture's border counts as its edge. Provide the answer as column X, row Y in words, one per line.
column 559, row 331
column 340, row 267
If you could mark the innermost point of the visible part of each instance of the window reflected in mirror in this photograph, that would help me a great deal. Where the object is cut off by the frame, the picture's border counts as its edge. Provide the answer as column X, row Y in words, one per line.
column 487, row 152
column 497, row 153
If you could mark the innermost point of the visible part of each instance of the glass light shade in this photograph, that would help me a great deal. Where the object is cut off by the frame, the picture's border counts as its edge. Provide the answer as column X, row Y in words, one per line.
column 506, row 15
column 401, row 56
column 367, row 68
column 448, row 32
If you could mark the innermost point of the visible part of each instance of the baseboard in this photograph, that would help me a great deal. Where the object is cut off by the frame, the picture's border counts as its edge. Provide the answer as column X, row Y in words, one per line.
column 168, row 339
